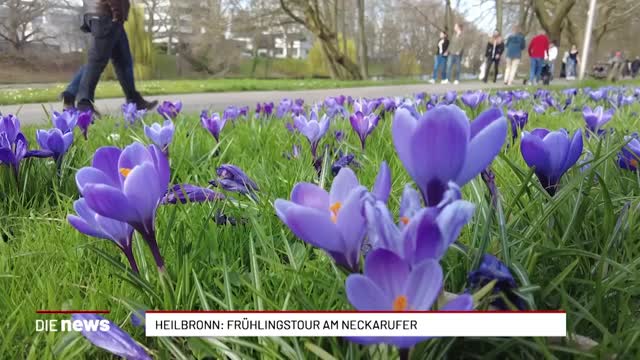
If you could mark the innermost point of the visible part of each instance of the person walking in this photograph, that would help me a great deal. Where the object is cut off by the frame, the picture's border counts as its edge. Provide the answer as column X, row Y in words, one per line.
column 538, row 49
column 456, row 49
column 552, row 55
column 105, row 21
column 514, row 46
column 635, row 67
column 495, row 48
column 442, row 50
column 572, row 62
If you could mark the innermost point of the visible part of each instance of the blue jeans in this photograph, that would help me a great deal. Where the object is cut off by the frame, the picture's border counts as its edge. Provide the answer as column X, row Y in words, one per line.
column 571, row 67
column 108, row 42
column 454, row 60
column 536, row 69
column 440, row 62
column 72, row 88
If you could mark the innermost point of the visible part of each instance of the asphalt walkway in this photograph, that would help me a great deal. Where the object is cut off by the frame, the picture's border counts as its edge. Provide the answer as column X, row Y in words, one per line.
column 195, row 103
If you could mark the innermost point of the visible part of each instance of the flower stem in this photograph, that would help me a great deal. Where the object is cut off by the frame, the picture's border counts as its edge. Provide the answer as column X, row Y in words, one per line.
column 128, row 252
column 404, row 354
column 150, row 238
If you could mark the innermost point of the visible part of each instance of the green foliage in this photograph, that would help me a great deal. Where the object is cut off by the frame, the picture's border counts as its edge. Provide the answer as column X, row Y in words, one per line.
column 408, row 64
column 578, row 251
column 317, row 63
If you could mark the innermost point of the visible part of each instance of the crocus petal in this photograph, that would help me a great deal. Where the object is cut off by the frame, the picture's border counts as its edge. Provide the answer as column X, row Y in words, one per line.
column 106, row 160
column 382, row 186
column 342, row 185
column 82, row 226
column 387, row 270
column 133, row 155
column 534, row 152
column 91, row 175
column 557, row 143
column 314, row 227
column 311, row 195
column 403, row 127
column 365, row 295
column 429, row 243
column 463, row 302
column 575, row 150
column 141, row 187
column 483, row 147
column 110, row 202
column 424, row 284
column 114, row 340
column 351, row 224
column 452, row 218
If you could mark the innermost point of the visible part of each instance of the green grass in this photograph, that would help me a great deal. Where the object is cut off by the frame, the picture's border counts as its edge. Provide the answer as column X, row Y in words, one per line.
column 111, row 89
column 578, row 251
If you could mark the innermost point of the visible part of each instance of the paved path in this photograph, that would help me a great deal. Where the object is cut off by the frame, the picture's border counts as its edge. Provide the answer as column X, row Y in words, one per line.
column 195, row 103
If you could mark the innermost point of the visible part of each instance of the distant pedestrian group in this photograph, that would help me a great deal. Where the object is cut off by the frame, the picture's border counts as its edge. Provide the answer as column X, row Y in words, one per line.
column 543, row 54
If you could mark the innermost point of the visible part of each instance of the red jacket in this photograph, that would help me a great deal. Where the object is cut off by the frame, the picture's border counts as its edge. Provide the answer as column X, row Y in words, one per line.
column 539, row 46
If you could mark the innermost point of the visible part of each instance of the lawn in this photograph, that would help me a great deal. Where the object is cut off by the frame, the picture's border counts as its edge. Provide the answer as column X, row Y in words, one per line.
column 111, row 89
column 578, row 250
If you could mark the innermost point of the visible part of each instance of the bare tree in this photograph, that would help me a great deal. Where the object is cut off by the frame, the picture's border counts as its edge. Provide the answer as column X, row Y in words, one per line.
column 552, row 15
column 19, row 25
column 364, row 58
column 309, row 14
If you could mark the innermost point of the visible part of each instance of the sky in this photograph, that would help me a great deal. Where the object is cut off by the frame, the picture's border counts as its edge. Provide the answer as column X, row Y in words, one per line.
column 479, row 12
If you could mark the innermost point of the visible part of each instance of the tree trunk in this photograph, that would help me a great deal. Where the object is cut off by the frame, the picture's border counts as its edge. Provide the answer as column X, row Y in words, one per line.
column 364, row 57
column 499, row 9
column 552, row 22
column 344, row 28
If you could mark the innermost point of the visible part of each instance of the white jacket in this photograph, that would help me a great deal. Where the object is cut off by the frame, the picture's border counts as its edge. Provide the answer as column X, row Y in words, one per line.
column 553, row 53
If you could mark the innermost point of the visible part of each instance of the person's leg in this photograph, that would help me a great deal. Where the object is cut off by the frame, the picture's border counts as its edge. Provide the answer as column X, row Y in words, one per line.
column 72, row 88
column 487, row 70
column 123, row 66
column 552, row 70
column 435, row 67
column 507, row 70
column 539, row 63
column 532, row 70
column 102, row 41
column 450, row 61
column 497, row 68
column 458, row 67
column 514, row 70
column 443, row 73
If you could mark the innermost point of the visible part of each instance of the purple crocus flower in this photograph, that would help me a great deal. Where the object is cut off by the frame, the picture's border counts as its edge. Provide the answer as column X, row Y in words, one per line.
column 284, row 107
column 585, row 162
column 312, row 129
column 114, row 340
column 443, row 146
column 598, row 95
column 363, row 125
column 243, row 111
column 161, row 135
column 570, row 92
column 265, row 109
column 65, row 121
column 491, row 269
column 231, row 113
column 184, row 193
column 496, row 101
column 520, row 94
column 214, row 124
column 85, row 119
column 232, row 178
column 132, row 114
column 170, row 110
column 389, row 283
column 473, row 99
column 342, row 162
column 597, row 117
column 422, row 233
column 127, row 185
column 54, row 141
column 450, row 97
column 331, row 221
column 13, row 144
column 518, row 119
column 539, row 108
column 552, row 153
column 339, row 135
column 90, row 223
column 629, row 156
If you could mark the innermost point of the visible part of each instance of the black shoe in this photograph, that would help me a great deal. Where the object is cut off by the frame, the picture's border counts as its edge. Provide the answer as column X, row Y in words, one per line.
column 85, row 105
column 68, row 101
column 146, row 105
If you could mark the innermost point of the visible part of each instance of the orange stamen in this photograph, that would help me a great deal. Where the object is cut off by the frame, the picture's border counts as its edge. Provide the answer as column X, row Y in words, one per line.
column 335, row 208
column 400, row 303
column 633, row 163
column 404, row 220
column 125, row 171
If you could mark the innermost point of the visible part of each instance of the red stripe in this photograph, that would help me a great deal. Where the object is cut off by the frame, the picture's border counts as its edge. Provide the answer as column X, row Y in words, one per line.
column 72, row 311
column 349, row 312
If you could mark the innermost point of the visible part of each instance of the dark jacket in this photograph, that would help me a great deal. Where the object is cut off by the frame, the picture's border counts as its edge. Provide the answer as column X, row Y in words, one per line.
column 117, row 9
column 515, row 44
column 445, row 47
column 499, row 49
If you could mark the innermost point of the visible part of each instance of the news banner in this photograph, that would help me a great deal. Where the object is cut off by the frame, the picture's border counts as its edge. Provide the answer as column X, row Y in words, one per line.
column 339, row 324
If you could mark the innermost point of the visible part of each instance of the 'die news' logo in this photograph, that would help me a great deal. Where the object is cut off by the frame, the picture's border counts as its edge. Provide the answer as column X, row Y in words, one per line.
column 53, row 325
